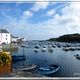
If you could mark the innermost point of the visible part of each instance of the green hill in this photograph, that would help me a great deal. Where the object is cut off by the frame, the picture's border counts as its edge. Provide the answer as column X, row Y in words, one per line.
column 67, row 38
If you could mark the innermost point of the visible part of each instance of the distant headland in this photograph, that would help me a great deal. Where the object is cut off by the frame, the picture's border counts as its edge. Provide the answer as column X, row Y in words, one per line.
column 67, row 38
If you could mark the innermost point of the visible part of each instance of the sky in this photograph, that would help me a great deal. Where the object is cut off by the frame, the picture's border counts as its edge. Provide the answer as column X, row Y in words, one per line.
column 35, row 20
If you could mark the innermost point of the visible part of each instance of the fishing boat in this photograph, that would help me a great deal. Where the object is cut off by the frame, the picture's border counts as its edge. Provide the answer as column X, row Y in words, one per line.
column 26, row 67
column 18, row 57
column 50, row 69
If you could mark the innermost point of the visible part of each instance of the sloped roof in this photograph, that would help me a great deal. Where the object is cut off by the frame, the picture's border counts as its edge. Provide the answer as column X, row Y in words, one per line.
column 4, row 31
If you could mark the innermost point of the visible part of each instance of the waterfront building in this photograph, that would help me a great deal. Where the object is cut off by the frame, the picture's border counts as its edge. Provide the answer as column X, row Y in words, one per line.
column 14, row 39
column 5, row 36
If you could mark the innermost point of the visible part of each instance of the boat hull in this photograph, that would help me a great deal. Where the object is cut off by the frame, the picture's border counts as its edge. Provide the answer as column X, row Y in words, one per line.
column 18, row 58
column 48, row 72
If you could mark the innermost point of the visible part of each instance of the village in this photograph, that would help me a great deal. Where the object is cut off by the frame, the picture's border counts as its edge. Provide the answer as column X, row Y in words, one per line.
column 6, row 37
column 8, row 43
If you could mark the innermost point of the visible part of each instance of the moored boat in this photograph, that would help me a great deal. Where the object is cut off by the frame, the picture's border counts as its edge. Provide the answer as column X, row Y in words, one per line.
column 43, row 49
column 50, row 69
column 77, row 56
column 36, row 50
column 66, row 49
column 18, row 57
column 36, row 46
column 26, row 67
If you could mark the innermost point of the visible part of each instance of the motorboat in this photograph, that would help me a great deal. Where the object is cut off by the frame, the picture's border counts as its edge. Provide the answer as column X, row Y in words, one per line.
column 50, row 69
column 26, row 67
column 43, row 49
column 18, row 57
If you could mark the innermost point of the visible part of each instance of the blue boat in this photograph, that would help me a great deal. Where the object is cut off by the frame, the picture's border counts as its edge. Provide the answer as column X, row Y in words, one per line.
column 18, row 57
column 50, row 69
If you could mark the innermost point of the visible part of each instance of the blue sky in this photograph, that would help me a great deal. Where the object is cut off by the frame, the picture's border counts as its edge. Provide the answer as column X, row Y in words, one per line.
column 40, row 20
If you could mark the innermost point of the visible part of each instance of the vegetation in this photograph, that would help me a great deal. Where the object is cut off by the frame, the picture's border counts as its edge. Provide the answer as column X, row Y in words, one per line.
column 10, row 48
column 67, row 38
column 5, row 58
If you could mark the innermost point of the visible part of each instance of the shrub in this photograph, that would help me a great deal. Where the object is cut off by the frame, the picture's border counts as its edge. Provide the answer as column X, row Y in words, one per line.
column 4, row 58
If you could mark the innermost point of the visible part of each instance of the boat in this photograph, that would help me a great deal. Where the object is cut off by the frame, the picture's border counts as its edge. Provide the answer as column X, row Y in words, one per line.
column 77, row 48
column 36, row 50
column 66, row 49
column 18, row 57
column 43, row 49
column 53, row 46
column 72, row 48
column 50, row 49
column 50, row 69
column 36, row 46
column 77, row 56
column 26, row 67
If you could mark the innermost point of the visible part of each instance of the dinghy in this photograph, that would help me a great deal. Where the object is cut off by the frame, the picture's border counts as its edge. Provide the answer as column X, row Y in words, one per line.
column 26, row 67
column 50, row 69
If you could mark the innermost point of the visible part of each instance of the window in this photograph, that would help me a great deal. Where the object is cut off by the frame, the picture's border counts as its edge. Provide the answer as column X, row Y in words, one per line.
column 6, row 35
column 6, row 38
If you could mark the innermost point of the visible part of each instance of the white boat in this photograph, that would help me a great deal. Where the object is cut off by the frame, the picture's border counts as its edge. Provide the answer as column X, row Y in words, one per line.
column 66, row 49
column 26, row 68
column 50, row 69
column 43, row 49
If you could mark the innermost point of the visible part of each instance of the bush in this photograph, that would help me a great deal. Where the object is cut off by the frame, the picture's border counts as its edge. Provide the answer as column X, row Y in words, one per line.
column 5, row 58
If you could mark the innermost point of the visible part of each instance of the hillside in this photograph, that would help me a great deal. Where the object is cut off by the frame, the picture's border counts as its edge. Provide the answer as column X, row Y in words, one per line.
column 67, row 38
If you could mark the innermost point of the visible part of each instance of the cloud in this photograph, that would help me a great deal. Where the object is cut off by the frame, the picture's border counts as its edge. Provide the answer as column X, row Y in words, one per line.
column 50, row 12
column 66, row 23
column 27, row 13
column 39, row 5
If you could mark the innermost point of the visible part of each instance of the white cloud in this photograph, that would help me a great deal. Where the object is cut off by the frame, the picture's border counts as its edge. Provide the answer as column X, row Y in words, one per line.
column 27, row 13
column 50, row 12
column 39, row 5
column 68, row 22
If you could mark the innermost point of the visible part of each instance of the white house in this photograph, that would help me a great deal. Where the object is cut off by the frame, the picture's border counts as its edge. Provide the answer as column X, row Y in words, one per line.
column 14, row 39
column 5, row 36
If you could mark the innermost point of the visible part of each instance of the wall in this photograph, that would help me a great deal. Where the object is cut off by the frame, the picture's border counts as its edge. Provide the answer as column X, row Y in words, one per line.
column 6, row 38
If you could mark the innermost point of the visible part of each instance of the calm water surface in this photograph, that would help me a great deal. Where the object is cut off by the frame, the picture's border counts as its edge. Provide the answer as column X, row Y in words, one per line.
column 70, row 66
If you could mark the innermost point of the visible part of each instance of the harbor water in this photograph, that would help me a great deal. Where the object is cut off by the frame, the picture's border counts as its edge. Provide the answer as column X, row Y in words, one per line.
column 70, row 66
